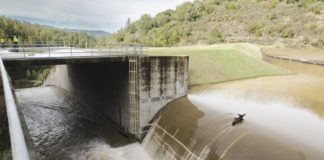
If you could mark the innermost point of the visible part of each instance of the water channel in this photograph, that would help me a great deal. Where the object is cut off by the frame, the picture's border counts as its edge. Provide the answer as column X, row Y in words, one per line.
column 62, row 127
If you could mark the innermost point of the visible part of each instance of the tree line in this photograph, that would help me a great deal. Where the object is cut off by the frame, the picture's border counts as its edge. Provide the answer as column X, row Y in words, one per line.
column 35, row 33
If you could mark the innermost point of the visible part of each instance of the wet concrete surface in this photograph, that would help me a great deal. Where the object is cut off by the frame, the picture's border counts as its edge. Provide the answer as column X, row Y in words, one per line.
column 62, row 127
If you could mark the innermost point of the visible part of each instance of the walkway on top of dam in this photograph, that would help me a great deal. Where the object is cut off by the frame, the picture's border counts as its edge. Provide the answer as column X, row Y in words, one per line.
column 60, row 53
column 64, row 60
column 27, row 55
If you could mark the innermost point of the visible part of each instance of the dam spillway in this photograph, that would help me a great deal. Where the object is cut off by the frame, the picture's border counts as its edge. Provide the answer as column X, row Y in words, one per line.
column 61, row 126
column 134, row 88
column 127, row 90
column 193, row 127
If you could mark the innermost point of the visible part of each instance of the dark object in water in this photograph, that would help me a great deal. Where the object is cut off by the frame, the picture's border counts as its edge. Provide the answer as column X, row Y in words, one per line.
column 239, row 119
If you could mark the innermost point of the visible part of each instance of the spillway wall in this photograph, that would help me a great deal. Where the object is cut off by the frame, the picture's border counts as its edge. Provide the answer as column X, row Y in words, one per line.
column 107, row 87
column 161, row 80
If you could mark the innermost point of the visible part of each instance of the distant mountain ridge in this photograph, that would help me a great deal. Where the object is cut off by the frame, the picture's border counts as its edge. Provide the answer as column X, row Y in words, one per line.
column 45, row 23
column 31, row 32
column 95, row 33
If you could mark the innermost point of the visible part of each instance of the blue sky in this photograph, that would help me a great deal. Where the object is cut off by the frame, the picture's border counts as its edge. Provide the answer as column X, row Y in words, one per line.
column 107, row 15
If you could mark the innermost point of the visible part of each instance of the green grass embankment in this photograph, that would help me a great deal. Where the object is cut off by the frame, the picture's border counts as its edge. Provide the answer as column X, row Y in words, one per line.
column 220, row 63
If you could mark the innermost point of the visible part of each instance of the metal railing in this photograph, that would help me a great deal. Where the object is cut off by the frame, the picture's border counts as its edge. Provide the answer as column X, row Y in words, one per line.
column 157, row 134
column 58, row 49
column 17, row 139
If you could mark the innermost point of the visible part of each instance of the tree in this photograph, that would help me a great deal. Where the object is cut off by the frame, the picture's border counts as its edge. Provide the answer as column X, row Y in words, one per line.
column 163, row 18
column 31, row 33
column 145, row 23
column 183, row 12
column 128, row 22
column 174, row 38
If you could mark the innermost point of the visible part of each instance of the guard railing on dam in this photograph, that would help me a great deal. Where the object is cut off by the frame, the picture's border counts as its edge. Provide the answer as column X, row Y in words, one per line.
column 59, row 49
column 17, row 139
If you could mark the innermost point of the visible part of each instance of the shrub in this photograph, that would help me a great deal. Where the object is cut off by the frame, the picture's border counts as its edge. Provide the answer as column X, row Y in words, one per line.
column 313, row 26
column 302, row 4
column 258, row 33
column 317, row 10
column 320, row 41
column 256, row 28
column 315, row 44
column 273, row 16
column 280, row 27
column 287, row 33
column 231, row 6
column 292, row 1
column 271, row 30
column 273, row 4
column 215, row 36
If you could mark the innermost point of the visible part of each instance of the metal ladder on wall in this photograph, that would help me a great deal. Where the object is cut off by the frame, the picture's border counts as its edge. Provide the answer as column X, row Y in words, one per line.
column 133, row 126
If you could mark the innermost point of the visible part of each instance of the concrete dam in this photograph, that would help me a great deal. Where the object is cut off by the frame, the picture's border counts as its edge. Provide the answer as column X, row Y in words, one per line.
column 127, row 89
column 116, row 107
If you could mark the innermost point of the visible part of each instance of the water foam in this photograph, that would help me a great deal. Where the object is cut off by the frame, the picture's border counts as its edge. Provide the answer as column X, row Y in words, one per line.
column 99, row 150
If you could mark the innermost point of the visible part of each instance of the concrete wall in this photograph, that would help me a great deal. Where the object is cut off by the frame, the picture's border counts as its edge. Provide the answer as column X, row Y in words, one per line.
column 5, row 137
column 161, row 80
column 105, row 87
column 4, row 128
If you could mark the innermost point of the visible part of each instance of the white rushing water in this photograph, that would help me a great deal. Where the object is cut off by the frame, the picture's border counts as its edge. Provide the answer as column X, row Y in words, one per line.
column 99, row 150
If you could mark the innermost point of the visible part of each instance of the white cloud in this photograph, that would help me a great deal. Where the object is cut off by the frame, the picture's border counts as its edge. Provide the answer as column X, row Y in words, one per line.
column 108, row 15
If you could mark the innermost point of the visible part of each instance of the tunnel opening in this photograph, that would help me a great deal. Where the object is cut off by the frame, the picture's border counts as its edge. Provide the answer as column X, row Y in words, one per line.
column 99, row 90
column 102, row 86
column 28, row 76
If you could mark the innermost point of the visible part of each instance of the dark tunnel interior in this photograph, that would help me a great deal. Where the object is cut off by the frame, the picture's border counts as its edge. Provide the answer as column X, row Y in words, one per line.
column 102, row 86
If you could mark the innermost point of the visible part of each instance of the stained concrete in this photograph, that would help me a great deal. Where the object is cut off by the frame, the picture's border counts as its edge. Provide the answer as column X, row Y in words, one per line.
column 36, row 61
column 103, row 83
column 161, row 80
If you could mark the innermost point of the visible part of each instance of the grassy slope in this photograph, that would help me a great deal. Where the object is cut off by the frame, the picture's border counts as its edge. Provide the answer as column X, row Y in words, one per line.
column 219, row 63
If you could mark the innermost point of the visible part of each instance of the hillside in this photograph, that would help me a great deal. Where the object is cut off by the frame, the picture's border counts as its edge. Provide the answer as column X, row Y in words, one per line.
column 282, row 22
column 30, row 33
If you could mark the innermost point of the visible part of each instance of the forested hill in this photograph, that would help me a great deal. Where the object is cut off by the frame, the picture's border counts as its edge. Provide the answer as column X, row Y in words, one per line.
column 37, row 33
column 289, row 22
